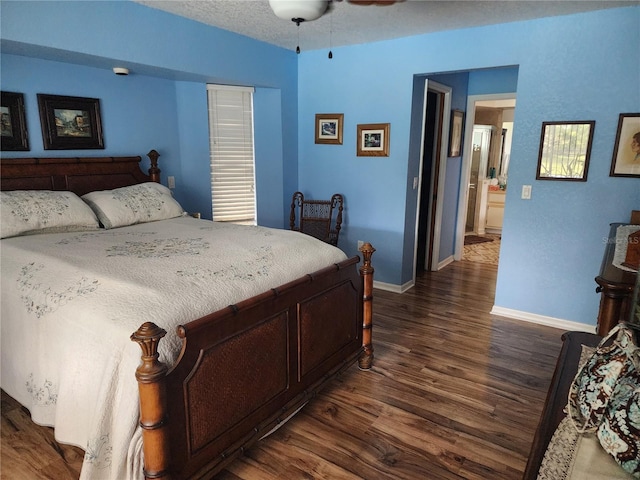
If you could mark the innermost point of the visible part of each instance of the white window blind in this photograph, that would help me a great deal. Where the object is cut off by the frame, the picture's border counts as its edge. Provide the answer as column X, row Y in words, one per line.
column 233, row 192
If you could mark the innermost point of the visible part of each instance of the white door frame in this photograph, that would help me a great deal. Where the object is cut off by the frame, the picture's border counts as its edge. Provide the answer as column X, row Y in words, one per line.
column 465, row 173
column 444, row 118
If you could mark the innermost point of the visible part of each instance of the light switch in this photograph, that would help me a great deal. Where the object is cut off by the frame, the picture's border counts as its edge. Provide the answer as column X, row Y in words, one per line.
column 171, row 182
column 526, row 192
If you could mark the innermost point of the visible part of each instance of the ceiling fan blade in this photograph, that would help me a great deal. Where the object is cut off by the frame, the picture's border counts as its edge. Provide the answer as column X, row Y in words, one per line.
column 372, row 2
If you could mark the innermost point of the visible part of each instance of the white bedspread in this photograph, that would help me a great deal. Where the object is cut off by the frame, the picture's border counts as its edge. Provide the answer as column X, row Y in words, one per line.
column 70, row 302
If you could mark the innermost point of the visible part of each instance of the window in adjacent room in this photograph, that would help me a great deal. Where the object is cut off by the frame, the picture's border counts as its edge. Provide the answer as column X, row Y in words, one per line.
column 233, row 192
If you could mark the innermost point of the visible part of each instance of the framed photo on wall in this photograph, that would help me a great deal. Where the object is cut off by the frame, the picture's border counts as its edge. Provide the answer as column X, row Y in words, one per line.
column 565, row 150
column 70, row 123
column 373, row 140
column 626, row 149
column 13, row 122
column 329, row 128
column 455, row 140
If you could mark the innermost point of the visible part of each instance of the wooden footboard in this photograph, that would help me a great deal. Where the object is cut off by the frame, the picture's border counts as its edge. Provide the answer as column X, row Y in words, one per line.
column 242, row 370
column 246, row 368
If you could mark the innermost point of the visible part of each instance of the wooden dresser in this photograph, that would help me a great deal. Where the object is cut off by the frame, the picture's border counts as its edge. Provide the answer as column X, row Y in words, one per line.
column 615, row 285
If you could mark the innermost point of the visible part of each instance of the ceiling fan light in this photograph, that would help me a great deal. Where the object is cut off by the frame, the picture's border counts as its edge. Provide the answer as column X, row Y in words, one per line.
column 305, row 9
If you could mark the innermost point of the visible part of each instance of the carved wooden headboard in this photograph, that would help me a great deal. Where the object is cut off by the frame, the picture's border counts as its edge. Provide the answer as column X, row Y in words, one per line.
column 76, row 174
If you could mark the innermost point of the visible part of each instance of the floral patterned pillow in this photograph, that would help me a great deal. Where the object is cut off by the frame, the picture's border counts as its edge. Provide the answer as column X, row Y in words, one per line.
column 145, row 202
column 25, row 212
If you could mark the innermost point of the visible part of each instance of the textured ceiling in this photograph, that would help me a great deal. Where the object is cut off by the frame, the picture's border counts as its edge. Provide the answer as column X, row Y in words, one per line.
column 348, row 24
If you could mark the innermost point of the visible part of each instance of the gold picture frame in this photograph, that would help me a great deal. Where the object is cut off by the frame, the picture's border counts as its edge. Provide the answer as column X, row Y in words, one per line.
column 373, row 140
column 329, row 128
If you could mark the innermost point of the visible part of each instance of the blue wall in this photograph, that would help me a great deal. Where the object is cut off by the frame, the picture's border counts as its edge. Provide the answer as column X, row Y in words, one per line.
column 583, row 67
column 162, row 104
column 126, row 104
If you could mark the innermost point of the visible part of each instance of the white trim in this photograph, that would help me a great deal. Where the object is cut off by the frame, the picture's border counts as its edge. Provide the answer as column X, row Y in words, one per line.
column 446, row 262
column 419, row 190
column 465, row 173
column 215, row 86
column 566, row 325
column 390, row 287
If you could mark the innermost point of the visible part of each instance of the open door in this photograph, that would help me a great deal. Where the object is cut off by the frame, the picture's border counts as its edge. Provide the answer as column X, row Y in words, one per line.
column 433, row 154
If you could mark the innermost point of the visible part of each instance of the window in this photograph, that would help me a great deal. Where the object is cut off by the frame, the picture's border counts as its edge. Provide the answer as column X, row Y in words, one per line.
column 233, row 193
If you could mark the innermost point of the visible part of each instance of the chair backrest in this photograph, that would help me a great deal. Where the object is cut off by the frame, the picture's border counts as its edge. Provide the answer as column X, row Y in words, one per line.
column 319, row 218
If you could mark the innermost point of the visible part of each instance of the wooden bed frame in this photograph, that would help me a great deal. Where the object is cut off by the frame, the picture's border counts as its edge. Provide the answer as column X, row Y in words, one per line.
column 243, row 370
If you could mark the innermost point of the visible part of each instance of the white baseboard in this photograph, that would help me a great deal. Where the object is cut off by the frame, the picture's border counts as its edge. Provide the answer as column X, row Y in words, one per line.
column 446, row 262
column 390, row 287
column 543, row 320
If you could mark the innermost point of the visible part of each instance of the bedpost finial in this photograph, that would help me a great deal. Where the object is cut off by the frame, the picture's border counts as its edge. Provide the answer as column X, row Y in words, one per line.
column 154, row 171
column 367, row 251
column 148, row 336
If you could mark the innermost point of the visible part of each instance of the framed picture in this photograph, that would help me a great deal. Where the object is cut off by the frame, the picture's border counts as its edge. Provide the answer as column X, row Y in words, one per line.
column 626, row 150
column 329, row 128
column 455, row 140
column 565, row 149
column 373, row 140
column 70, row 123
column 13, row 122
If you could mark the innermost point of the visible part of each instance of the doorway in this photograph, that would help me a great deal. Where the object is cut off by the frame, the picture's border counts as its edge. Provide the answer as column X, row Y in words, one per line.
column 486, row 204
column 430, row 182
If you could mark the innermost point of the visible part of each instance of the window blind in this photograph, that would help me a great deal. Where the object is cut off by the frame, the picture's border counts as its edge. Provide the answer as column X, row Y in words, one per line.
column 233, row 195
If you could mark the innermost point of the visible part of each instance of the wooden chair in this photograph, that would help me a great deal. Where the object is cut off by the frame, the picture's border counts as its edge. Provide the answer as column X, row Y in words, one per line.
column 319, row 218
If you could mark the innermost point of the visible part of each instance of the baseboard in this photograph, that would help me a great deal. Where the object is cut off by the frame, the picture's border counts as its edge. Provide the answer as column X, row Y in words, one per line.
column 390, row 287
column 446, row 262
column 566, row 325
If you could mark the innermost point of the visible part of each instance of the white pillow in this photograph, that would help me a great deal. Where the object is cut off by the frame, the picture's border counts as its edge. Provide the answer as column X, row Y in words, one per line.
column 25, row 212
column 145, row 202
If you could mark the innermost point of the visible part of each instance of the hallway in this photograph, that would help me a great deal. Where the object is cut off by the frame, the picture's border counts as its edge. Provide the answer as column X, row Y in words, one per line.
column 485, row 252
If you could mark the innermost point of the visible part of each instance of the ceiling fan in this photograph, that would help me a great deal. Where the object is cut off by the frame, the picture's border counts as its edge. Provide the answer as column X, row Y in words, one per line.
column 300, row 11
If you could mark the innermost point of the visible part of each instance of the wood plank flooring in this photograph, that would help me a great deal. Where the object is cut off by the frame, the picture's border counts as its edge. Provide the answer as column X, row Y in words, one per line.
column 455, row 393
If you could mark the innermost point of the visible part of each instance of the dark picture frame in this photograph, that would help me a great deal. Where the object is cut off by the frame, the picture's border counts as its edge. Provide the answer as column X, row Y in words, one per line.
column 455, row 135
column 626, row 149
column 70, row 123
column 14, row 135
column 565, row 150
column 329, row 128
column 373, row 140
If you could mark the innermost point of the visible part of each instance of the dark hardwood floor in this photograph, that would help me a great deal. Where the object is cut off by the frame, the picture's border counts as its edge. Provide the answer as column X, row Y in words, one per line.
column 454, row 393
